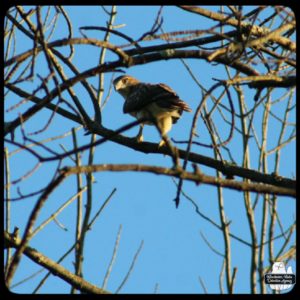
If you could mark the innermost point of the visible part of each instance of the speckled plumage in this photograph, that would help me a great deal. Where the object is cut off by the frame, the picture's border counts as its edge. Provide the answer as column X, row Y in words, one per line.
column 157, row 103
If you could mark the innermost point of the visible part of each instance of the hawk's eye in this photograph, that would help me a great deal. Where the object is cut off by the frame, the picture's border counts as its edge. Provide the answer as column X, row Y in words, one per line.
column 124, row 80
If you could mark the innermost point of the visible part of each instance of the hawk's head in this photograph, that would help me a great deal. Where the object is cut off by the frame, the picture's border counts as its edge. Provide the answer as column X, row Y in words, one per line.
column 124, row 83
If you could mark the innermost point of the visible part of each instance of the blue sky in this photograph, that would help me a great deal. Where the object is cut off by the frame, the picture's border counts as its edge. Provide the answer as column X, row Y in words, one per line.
column 173, row 255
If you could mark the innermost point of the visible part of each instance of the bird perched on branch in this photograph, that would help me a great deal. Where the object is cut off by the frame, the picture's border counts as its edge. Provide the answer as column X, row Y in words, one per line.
column 157, row 104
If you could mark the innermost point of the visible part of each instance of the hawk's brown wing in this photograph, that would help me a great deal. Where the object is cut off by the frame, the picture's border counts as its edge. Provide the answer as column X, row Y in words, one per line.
column 144, row 93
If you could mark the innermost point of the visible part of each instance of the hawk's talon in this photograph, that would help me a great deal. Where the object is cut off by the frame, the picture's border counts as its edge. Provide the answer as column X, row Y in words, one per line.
column 139, row 138
column 162, row 143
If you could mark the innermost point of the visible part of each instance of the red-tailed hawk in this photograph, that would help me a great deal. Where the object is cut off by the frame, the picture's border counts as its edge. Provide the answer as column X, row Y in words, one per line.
column 157, row 103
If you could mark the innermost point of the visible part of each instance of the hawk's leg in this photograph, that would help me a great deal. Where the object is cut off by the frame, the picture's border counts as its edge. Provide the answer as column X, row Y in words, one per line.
column 164, row 126
column 140, row 137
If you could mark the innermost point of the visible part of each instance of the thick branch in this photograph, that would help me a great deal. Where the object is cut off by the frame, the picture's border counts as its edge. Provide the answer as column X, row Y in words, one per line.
column 125, row 60
column 53, row 267
column 265, row 81
column 197, row 177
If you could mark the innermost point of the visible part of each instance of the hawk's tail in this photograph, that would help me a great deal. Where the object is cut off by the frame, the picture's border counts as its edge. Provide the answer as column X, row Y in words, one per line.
column 183, row 105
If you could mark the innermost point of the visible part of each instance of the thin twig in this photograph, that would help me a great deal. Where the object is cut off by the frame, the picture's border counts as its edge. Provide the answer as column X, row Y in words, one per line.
column 131, row 267
column 113, row 258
